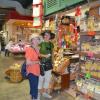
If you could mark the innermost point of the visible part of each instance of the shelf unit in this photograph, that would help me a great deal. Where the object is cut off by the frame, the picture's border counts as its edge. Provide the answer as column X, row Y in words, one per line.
column 86, row 75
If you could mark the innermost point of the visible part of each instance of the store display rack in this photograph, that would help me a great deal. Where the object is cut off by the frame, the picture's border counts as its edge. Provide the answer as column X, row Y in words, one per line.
column 89, row 74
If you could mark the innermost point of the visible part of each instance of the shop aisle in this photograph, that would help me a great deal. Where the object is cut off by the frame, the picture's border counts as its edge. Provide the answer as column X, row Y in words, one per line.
column 18, row 91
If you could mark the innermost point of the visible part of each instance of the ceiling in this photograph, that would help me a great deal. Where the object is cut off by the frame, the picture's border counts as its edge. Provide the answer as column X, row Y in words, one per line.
column 4, row 11
column 3, row 14
column 25, row 3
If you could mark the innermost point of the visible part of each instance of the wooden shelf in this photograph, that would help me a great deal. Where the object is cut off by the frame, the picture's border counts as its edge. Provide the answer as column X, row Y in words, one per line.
column 82, row 53
column 85, row 33
column 92, row 77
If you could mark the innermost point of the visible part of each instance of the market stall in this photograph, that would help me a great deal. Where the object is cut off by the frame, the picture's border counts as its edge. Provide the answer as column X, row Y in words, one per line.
column 70, row 49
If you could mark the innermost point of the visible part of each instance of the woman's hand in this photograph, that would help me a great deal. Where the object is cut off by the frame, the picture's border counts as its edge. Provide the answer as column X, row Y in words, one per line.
column 46, row 56
column 28, row 62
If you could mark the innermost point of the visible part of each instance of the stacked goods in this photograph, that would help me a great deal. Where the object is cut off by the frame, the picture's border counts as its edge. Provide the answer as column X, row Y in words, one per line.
column 60, row 62
column 92, row 68
column 60, row 75
column 14, row 73
column 94, row 47
column 55, row 82
column 73, row 70
column 89, row 87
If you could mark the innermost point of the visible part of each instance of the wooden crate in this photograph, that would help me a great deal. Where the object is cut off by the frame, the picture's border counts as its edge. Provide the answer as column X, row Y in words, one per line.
column 64, row 81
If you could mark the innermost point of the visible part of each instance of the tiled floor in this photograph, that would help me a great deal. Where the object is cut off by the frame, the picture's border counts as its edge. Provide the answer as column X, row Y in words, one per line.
column 19, row 91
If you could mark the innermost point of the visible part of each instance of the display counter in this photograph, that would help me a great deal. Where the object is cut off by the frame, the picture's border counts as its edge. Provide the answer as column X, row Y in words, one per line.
column 18, row 49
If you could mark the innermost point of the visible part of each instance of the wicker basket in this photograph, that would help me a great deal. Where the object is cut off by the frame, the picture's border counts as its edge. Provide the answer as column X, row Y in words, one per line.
column 15, row 75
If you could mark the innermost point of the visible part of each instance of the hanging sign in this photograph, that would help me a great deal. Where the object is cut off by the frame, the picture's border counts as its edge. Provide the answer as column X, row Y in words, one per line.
column 37, row 21
column 35, row 2
column 78, row 15
column 37, row 13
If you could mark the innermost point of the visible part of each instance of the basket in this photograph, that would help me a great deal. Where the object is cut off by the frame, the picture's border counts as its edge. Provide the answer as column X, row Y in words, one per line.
column 15, row 76
column 7, row 72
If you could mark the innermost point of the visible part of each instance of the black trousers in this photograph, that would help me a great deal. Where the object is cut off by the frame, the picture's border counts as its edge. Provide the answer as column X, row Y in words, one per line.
column 7, row 52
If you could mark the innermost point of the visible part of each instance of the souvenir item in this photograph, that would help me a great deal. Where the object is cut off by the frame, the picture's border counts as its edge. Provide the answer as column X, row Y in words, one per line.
column 65, row 20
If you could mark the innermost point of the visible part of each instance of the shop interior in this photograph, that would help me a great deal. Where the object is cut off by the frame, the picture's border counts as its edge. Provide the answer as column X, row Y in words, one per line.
column 76, row 61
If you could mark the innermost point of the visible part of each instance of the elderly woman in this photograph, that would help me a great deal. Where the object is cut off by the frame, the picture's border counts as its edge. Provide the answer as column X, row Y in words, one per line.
column 33, row 68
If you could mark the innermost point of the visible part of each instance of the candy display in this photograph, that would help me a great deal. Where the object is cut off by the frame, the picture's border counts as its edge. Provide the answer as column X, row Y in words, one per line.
column 92, row 68
column 92, row 46
column 91, row 65
column 88, row 80
column 91, row 24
